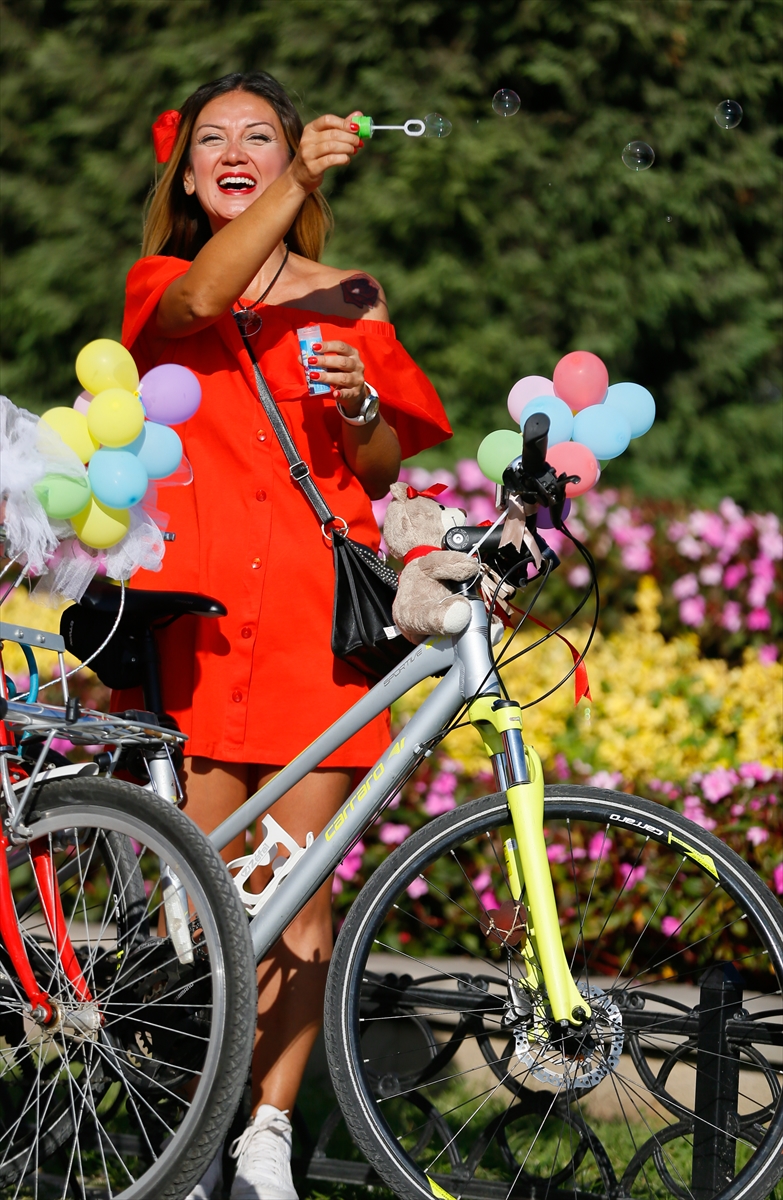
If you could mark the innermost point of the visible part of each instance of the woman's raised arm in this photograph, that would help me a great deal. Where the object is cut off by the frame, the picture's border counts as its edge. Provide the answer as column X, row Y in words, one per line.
column 235, row 254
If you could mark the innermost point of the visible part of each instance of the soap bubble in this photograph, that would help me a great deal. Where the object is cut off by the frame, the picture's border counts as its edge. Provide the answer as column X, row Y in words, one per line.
column 638, row 156
column 505, row 102
column 436, row 126
column 728, row 114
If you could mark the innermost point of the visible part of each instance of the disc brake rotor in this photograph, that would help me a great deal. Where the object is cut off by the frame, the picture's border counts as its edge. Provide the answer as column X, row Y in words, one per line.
column 573, row 1058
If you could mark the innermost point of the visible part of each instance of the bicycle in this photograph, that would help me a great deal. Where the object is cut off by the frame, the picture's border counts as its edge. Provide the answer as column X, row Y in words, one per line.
column 507, row 1065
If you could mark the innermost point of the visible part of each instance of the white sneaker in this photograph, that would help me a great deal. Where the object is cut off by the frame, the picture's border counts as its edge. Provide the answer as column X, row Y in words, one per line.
column 210, row 1185
column 264, row 1153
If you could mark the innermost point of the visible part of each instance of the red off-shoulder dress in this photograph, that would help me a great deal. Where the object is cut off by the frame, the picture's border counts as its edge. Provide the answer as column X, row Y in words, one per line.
column 261, row 683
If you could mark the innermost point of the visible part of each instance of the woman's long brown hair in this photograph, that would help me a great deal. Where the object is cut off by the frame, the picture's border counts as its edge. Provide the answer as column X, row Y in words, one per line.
column 177, row 224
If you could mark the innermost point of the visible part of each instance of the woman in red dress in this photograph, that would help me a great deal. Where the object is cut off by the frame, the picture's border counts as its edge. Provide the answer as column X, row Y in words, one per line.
column 238, row 225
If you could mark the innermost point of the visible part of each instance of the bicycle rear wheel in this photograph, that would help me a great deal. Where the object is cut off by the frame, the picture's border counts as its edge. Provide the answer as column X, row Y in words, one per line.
column 454, row 1080
column 131, row 1089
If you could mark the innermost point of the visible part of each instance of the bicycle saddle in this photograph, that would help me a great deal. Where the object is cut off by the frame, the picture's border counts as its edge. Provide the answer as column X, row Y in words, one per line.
column 104, row 597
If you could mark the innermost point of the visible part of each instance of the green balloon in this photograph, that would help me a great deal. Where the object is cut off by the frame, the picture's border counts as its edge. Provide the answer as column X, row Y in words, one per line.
column 496, row 451
column 62, row 496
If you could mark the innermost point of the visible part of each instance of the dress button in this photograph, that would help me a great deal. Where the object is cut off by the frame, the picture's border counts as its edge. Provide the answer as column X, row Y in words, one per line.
column 256, row 563
column 261, row 435
column 236, row 696
column 246, row 631
column 260, row 494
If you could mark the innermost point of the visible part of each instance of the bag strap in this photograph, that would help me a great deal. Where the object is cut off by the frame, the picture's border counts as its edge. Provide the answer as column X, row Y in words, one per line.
column 298, row 468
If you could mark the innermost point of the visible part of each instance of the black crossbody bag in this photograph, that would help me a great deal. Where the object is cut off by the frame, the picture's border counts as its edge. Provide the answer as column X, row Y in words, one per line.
column 363, row 629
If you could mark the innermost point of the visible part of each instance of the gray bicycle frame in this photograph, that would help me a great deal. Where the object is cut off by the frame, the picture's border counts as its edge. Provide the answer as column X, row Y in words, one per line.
column 469, row 672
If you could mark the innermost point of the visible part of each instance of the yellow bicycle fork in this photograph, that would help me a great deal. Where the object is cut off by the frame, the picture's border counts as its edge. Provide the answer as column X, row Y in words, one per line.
column 519, row 772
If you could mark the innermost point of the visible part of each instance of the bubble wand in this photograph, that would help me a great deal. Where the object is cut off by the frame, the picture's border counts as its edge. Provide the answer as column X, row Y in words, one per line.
column 432, row 126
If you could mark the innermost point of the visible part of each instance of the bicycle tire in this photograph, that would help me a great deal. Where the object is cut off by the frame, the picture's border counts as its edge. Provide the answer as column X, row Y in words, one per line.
column 405, row 1049
column 154, row 1082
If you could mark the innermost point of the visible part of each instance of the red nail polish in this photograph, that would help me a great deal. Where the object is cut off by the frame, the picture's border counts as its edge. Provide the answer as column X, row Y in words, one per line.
column 361, row 144
column 354, row 127
column 336, row 394
column 317, row 346
column 315, row 374
column 313, row 361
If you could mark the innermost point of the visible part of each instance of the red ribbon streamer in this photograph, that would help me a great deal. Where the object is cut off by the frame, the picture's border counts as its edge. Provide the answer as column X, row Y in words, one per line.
column 581, row 682
column 164, row 134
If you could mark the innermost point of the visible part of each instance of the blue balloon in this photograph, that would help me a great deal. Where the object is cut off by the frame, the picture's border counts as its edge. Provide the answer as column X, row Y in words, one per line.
column 117, row 478
column 635, row 403
column 603, row 430
column 161, row 450
column 131, row 448
column 560, row 417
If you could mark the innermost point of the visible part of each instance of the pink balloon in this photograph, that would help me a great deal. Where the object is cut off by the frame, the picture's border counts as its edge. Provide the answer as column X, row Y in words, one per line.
column 82, row 402
column 527, row 389
column 581, row 379
column 574, row 459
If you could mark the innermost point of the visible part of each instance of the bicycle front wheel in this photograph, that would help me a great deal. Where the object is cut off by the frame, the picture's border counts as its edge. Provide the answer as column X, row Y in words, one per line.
column 130, row 1088
column 455, row 1081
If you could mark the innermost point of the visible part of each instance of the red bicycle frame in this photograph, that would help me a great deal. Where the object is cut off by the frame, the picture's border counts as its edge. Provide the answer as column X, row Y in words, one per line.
column 51, row 904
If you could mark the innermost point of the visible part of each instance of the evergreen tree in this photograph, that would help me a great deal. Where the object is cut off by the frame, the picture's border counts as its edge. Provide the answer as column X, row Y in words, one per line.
column 502, row 247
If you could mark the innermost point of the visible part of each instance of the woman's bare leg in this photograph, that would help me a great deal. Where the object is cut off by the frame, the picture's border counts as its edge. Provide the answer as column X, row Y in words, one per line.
column 292, row 978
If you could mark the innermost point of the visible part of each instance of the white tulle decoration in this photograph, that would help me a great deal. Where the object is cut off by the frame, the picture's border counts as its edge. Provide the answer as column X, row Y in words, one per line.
column 142, row 546
column 29, row 449
column 70, row 572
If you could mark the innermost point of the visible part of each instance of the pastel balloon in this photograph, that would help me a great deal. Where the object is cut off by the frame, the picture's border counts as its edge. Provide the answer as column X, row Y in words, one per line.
column 99, row 526
column 131, row 447
column 603, row 430
column 117, row 478
column 160, row 452
column 581, row 379
column 82, row 402
column 73, row 429
column 544, row 516
column 575, row 459
column 635, row 403
column 527, row 389
column 115, row 417
column 561, row 421
column 496, row 451
column 171, row 394
column 106, row 364
column 62, row 496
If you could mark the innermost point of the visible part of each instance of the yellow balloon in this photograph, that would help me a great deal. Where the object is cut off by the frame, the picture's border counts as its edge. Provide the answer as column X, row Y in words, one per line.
column 100, row 527
column 106, row 364
column 74, row 431
column 115, row 417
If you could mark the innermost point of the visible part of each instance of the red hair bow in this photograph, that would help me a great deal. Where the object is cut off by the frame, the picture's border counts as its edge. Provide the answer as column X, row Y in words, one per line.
column 429, row 493
column 164, row 134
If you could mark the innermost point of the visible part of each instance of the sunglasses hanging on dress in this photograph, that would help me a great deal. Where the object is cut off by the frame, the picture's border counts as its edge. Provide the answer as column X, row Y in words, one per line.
column 247, row 318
